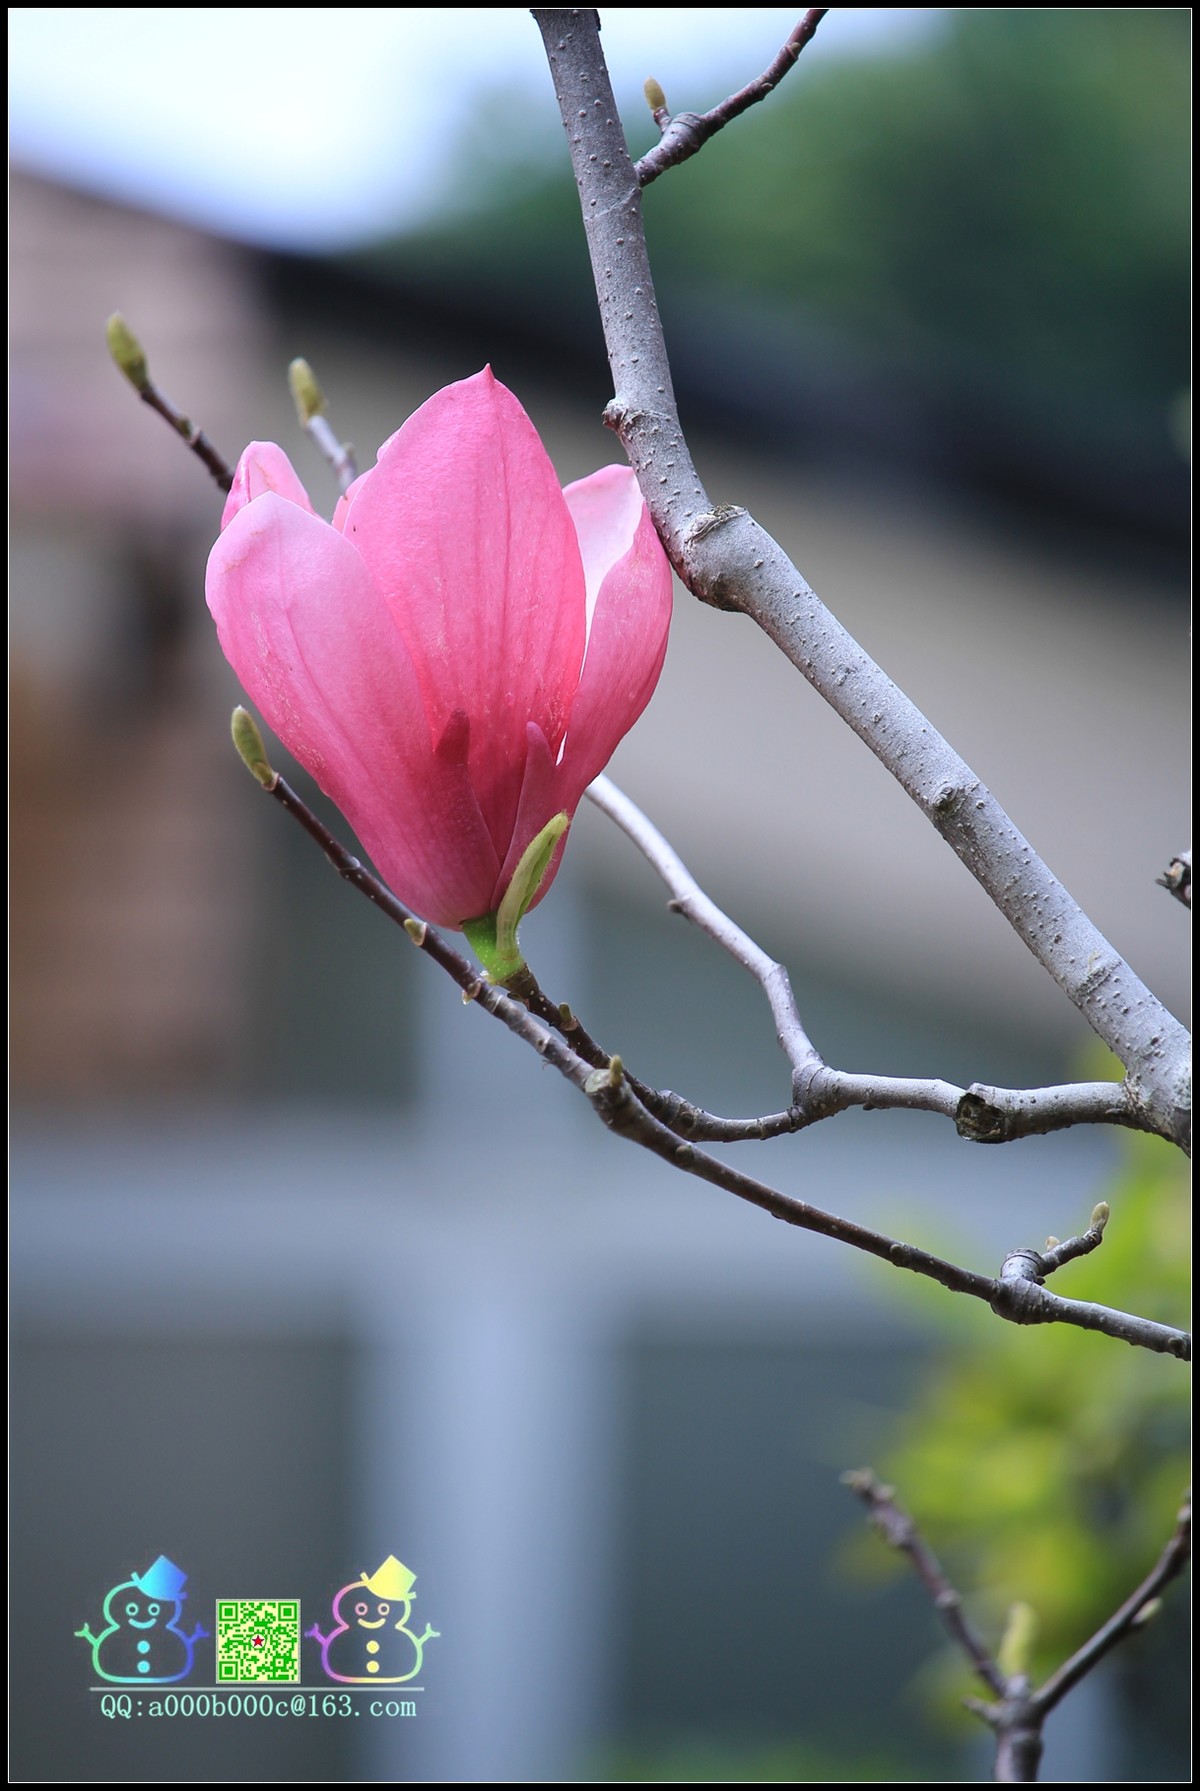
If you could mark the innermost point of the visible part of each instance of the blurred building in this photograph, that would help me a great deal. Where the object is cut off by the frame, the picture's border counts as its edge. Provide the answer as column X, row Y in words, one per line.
column 311, row 1266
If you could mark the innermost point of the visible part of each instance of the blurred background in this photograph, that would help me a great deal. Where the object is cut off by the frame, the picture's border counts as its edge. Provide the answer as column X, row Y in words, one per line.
column 312, row 1265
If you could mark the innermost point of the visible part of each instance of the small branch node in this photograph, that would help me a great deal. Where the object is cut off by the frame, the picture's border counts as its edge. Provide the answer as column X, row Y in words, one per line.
column 1177, row 878
column 946, row 799
column 707, row 524
column 689, row 131
column 656, row 99
column 978, row 1121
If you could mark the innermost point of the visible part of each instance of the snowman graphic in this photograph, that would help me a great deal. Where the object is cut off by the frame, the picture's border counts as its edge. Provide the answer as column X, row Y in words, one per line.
column 370, row 1642
column 142, row 1643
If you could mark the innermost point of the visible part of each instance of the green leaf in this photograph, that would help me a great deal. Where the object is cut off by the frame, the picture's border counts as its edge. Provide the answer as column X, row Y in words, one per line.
column 493, row 937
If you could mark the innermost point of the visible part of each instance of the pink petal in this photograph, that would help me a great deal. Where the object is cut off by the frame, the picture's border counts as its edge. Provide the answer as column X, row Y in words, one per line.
column 309, row 635
column 606, row 510
column 263, row 467
column 347, row 498
column 627, row 641
column 465, row 530
column 535, row 808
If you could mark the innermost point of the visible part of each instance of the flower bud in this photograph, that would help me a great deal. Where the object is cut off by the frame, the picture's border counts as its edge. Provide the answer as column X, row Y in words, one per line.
column 127, row 352
column 249, row 743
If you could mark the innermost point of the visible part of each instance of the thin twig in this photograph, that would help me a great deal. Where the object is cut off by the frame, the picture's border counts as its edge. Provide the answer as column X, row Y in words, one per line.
column 1022, row 1297
column 1019, row 1714
column 339, row 454
column 687, row 898
column 1171, row 1562
column 310, row 408
column 679, row 1115
column 130, row 358
column 584, row 1055
column 900, row 1530
column 617, row 1103
column 727, row 560
column 469, row 978
column 192, row 434
column 1059, row 1252
column 611, row 1095
column 690, row 131
column 982, row 1114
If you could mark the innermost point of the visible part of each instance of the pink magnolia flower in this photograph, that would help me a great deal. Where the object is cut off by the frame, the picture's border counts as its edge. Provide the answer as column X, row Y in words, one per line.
column 457, row 654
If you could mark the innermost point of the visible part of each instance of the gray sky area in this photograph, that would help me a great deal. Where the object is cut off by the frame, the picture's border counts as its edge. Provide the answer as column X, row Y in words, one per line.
column 316, row 127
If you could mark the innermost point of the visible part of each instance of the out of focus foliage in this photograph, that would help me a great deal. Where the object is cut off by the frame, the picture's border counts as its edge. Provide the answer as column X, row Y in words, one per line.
column 977, row 246
column 1016, row 191
column 1046, row 1464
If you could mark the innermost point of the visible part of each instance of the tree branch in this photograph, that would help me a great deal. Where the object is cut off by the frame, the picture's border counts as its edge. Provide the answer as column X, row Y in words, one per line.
column 1019, row 1714
column 310, row 408
column 1130, row 1616
column 616, row 1101
column 688, row 132
column 900, row 1530
column 130, row 358
column 982, row 1114
column 688, row 899
column 1022, row 1297
column 727, row 560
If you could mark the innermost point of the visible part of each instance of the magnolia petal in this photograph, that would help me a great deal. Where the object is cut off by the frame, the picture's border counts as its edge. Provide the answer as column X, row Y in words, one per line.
column 534, row 808
column 348, row 496
column 627, row 644
column 606, row 509
column 464, row 528
column 314, row 645
column 263, row 467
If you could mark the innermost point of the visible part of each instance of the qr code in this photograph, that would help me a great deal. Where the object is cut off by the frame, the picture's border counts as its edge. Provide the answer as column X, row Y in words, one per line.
column 258, row 1639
